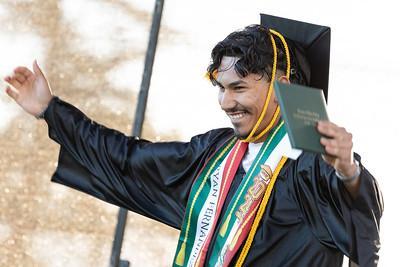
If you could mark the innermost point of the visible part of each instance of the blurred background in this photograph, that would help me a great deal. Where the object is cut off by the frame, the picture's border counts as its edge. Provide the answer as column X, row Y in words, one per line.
column 93, row 52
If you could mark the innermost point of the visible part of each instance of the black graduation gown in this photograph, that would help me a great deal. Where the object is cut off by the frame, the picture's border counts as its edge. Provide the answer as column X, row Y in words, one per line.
column 310, row 219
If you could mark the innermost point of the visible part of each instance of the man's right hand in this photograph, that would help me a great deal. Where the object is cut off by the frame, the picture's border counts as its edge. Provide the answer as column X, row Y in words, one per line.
column 29, row 89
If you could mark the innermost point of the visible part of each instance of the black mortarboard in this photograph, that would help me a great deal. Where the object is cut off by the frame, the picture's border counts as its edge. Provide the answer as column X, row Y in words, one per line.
column 313, row 39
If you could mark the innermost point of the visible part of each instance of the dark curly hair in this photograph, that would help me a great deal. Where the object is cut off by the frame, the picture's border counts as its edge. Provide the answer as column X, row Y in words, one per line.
column 253, row 47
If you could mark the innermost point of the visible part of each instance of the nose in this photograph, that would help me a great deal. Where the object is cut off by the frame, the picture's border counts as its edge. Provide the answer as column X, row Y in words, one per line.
column 227, row 100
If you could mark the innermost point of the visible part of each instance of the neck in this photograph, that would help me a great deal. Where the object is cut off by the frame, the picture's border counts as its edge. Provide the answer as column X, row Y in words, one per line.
column 264, row 137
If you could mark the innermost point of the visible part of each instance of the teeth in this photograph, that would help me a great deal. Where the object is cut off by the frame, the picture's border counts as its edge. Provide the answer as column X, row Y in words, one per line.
column 237, row 116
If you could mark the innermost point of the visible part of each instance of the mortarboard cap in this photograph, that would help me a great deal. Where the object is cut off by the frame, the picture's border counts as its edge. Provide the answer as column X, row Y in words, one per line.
column 313, row 39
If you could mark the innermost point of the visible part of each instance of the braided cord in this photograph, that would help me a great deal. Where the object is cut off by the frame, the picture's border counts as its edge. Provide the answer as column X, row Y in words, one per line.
column 277, row 110
column 259, row 215
column 250, row 137
column 286, row 51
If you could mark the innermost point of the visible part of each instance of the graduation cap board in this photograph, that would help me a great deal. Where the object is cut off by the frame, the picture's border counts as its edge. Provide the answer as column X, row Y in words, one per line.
column 315, row 42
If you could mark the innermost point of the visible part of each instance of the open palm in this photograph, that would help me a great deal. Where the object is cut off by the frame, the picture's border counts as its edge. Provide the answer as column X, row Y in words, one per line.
column 29, row 89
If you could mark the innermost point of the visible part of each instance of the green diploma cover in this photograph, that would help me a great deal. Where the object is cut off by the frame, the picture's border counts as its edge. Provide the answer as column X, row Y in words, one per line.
column 301, row 108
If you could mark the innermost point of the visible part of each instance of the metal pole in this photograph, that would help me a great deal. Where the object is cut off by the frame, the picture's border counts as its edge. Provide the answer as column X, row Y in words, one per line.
column 138, row 124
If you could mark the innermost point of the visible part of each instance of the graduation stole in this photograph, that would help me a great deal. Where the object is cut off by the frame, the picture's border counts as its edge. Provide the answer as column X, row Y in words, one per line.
column 208, row 195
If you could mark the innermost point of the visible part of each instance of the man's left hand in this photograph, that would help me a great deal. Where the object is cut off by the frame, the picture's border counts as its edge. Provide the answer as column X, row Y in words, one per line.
column 338, row 145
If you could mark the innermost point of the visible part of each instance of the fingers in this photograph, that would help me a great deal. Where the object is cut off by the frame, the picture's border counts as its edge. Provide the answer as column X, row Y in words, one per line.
column 12, row 93
column 330, row 129
column 338, row 152
column 339, row 145
column 23, row 71
column 11, row 80
column 345, row 141
column 36, row 69
column 19, row 77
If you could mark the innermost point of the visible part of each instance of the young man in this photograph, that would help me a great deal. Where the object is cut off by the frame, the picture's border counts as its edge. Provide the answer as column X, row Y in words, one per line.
column 234, row 194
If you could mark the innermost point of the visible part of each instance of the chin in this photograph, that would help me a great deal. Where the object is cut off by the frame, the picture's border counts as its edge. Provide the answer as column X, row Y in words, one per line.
column 240, row 134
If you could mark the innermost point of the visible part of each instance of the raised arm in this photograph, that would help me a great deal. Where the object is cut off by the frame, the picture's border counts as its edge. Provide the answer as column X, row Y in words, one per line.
column 153, row 179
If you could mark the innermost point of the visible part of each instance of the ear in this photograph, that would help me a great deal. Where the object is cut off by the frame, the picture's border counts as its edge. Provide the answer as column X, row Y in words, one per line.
column 284, row 79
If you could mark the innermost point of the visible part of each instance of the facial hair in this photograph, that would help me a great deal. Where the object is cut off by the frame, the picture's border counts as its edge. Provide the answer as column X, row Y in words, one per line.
column 238, row 108
column 238, row 135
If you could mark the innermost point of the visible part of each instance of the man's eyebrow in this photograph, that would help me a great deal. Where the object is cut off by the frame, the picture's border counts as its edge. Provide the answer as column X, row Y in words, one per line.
column 236, row 83
column 232, row 84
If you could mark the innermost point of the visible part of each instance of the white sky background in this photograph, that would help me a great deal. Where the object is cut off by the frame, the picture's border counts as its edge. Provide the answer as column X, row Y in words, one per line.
column 363, row 89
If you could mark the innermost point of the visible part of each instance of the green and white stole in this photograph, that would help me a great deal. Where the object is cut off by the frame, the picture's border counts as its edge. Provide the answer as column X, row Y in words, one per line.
column 208, row 194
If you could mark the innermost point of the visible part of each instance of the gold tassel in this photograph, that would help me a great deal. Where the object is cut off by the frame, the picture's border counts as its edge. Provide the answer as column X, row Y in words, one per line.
column 224, row 227
column 180, row 258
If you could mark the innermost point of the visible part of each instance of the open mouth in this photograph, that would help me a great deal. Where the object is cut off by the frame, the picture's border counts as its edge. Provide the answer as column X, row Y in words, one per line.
column 236, row 116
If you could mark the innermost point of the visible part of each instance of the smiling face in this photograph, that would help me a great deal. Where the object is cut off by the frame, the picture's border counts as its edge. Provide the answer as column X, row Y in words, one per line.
column 243, row 99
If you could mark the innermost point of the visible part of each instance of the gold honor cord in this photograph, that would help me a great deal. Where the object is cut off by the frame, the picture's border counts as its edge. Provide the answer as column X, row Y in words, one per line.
column 264, row 203
column 259, row 215
column 286, row 51
column 250, row 138
column 262, row 115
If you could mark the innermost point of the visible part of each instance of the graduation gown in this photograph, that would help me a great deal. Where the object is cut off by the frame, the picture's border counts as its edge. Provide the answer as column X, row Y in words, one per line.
column 310, row 219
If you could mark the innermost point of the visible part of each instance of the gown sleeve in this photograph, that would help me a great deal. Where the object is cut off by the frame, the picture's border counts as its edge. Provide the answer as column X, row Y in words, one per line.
column 152, row 179
column 337, row 220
